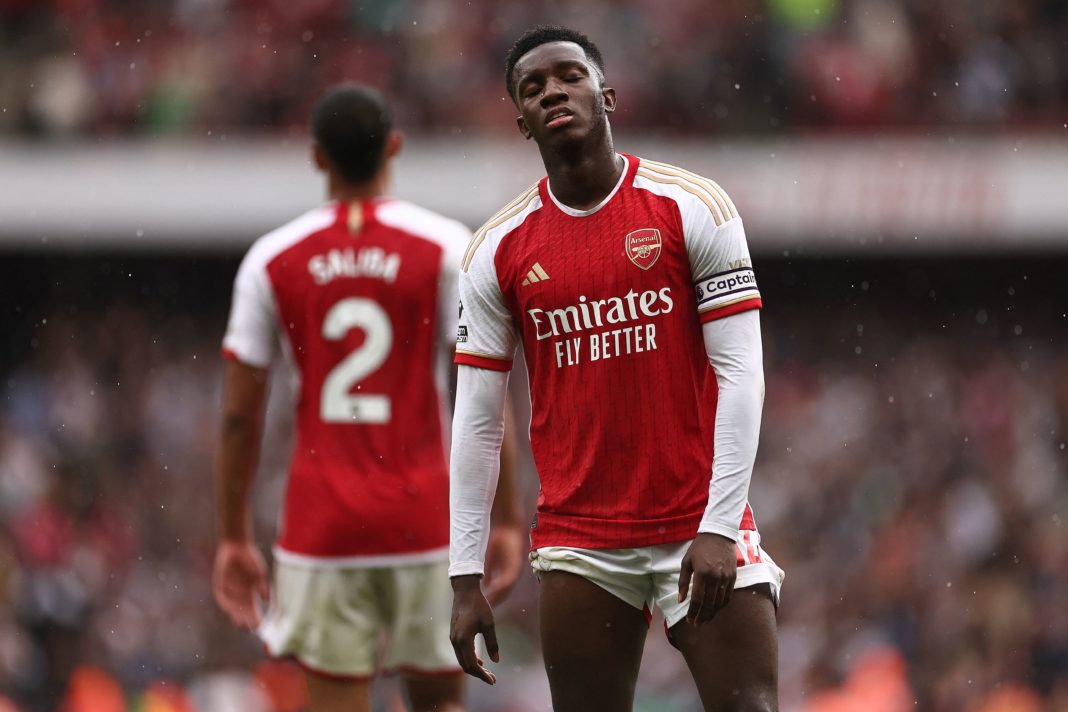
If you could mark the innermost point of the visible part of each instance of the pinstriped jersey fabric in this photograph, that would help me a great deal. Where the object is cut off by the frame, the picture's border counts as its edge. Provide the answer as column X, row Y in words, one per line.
column 607, row 305
column 360, row 298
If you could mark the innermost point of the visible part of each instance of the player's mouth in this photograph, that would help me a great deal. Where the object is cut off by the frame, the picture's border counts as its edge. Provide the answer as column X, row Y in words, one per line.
column 558, row 117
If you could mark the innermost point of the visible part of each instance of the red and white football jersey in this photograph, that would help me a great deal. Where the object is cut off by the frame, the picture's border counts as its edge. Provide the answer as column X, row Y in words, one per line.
column 361, row 300
column 608, row 304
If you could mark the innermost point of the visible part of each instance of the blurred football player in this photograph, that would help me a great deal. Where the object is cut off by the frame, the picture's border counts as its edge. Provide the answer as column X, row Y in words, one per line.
column 358, row 298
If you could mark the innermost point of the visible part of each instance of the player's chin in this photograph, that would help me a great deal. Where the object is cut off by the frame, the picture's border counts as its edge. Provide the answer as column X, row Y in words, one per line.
column 566, row 135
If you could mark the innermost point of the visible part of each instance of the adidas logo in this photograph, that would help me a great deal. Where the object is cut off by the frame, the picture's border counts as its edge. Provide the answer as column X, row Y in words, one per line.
column 536, row 274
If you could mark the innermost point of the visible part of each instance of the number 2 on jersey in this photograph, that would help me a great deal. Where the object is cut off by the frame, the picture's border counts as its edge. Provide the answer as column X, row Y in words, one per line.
column 337, row 404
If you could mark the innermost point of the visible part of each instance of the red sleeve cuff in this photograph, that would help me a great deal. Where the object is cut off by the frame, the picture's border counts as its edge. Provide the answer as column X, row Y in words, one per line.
column 487, row 362
column 229, row 354
column 731, row 309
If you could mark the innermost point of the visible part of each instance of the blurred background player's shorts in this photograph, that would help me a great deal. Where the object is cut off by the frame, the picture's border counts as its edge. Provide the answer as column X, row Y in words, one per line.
column 646, row 575
column 349, row 622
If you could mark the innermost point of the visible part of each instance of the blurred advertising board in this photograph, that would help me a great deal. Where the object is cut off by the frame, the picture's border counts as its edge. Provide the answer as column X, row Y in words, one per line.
column 818, row 195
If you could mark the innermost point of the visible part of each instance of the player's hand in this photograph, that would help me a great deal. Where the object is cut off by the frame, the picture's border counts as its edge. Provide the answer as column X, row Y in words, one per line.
column 505, row 556
column 240, row 576
column 712, row 562
column 471, row 615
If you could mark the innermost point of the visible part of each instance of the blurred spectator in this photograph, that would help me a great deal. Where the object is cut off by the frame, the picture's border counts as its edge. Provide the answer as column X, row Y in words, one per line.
column 209, row 67
column 911, row 481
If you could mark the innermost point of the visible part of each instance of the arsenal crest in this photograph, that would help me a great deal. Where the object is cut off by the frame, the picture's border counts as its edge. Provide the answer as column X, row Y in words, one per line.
column 643, row 247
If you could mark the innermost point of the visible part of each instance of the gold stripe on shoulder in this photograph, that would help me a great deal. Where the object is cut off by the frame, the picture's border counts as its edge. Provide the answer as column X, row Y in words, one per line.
column 713, row 207
column 477, row 239
column 499, row 219
column 515, row 201
column 708, row 183
column 695, row 181
column 702, row 179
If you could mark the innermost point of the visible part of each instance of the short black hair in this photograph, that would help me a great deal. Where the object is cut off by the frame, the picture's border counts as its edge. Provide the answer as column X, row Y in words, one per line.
column 544, row 34
column 351, row 122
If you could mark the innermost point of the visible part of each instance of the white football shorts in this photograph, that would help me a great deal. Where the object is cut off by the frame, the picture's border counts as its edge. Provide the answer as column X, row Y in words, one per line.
column 648, row 575
column 357, row 622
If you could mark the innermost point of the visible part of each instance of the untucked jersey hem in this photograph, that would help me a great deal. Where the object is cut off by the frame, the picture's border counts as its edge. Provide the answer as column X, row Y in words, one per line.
column 361, row 562
column 590, row 533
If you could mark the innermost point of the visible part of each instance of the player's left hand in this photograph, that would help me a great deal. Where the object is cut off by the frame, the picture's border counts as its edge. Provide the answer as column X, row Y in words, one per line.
column 240, row 576
column 505, row 556
column 712, row 562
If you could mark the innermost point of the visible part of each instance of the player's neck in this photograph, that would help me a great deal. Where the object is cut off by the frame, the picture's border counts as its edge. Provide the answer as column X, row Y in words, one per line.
column 581, row 179
column 345, row 192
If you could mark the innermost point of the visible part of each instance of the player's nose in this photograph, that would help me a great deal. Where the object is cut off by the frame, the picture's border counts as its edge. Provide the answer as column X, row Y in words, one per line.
column 554, row 93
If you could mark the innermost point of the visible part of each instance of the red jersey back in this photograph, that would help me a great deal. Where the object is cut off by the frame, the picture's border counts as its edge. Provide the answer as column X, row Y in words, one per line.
column 362, row 300
column 608, row 304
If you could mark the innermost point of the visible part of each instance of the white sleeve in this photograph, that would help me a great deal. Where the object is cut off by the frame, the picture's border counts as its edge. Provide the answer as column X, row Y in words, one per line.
column 721, row 266
column 477, row 432
column 251, row 335
column 734, row 350
column 486, row 334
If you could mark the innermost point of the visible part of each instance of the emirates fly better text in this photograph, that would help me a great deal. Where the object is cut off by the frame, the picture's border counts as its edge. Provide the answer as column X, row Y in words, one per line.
column 625, row 338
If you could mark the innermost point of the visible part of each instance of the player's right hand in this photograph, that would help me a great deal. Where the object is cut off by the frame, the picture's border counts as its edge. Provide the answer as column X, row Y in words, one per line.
column 471, row 615
column 712, row 563
column 239, row 578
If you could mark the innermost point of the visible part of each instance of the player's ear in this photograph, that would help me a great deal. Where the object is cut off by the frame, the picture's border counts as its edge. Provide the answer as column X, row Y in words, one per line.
column 609, row 95
column 319, row 158
column 523, row 128
column 394, row 143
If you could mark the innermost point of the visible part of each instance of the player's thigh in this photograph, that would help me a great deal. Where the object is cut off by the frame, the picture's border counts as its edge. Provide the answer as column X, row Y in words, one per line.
column 441, row 693
column 592, row 642
column 421, row 602
column 734, row 657
column 328, row 694
column 755, row 566
column 328, row 619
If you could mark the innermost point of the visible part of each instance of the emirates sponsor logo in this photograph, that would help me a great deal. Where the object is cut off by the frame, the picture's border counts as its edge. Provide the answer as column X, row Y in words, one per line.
column 594, row 313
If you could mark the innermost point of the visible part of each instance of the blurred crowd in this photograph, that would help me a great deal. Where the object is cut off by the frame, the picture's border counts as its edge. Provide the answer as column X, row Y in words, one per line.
column 912, row 481
column 211, row 67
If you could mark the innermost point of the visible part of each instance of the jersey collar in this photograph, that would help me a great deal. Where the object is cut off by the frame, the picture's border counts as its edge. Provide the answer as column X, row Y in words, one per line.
column 583, row 213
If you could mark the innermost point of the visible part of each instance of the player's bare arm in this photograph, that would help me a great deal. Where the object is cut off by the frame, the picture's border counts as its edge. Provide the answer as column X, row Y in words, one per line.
column 240, row 574
column 508, row 541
